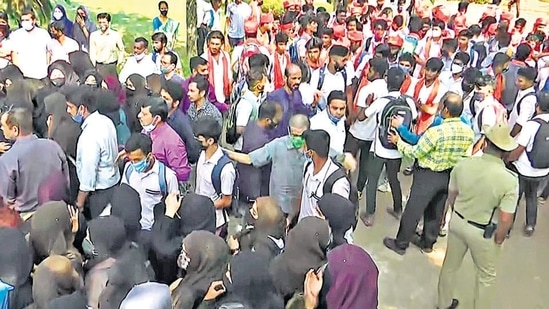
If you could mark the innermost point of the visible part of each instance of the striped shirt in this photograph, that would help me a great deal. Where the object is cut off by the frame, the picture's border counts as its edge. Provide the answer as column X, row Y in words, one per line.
column 440, row 147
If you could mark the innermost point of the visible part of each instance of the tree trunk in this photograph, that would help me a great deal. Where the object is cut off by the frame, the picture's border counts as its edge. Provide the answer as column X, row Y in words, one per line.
column 191, row 28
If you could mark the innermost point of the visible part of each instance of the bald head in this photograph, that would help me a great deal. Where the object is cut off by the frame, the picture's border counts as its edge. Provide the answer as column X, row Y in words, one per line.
column 453, row 104
column 292, row 68
column 293, row 76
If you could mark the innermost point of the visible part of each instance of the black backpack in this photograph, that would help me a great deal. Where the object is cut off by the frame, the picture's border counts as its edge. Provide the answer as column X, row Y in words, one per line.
column 539, row 155
column 396, row 106
column 322, row 75
column 519, row 103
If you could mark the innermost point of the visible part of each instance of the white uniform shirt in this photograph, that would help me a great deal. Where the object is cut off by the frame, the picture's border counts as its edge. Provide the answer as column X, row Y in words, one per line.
column 321, row 121
column 365, row 130
column 527, row 108
column 526, row 139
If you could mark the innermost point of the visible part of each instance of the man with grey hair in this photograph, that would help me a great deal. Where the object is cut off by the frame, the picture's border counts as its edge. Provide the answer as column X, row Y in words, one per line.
column 29, row 164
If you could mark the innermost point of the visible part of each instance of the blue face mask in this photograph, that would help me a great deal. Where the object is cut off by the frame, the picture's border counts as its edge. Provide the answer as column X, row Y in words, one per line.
column 405, row 69
column 141, row 166
column 78, row 118
column 332, row 118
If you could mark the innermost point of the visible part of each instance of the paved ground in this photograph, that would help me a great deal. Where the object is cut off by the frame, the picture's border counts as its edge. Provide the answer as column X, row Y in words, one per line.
column 410, row 282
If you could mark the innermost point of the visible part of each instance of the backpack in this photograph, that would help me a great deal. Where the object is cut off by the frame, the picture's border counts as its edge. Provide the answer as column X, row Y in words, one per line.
column 249, row 49
column 231, row 136
column 501, row 114
column 293, row 52
column 322, row 74
column 216, row 173
column 529, row 94
column 480, row 49
column 396, row 106
column 539, row 155
column 162, row 183
column 122, row 130
column 5, row 290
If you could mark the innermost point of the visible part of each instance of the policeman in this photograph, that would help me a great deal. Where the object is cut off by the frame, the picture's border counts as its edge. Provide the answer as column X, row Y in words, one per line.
column 478, row 200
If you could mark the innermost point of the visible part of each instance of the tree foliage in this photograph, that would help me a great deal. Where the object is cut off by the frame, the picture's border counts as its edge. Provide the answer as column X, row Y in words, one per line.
column 42, row 9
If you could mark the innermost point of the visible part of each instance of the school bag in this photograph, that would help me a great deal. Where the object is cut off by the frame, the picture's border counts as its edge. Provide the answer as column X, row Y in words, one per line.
column 539, row 155
column 231, row 136
column 519, row 103
column 216, row 180
column 122, row 130
column 397, row 106
column 162, row 183
column 5, row 290
column 293, row 52
column 322, row 75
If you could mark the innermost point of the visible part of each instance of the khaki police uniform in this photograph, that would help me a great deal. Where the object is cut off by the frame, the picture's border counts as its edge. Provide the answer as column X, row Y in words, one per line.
column 483, row 183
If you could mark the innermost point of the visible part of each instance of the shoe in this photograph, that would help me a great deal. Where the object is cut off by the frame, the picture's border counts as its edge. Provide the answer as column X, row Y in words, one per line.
column 394, row 213
column 442, row 233
column 529, row 230
column 408, row 171
column 454, row 304
column 367, row 219
column 541, row 201
column 418, row 242
column 391, row 244
column 384, row 187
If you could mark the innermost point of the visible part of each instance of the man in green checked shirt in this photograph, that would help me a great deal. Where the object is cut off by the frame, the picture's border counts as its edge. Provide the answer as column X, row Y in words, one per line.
column 437, row 151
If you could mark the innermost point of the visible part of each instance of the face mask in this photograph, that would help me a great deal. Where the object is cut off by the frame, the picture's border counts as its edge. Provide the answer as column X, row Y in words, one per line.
column 141, row 166
column 333, row 118
column 164, row 70
column 456, row 68
column 57, row 15
column 139, row 57
column 78, row 118
column 130, row 92
column 27, row 25
column 405, row 69
column 58, row 82
column 164, row 12
column 297, row 142
column 436, row 33
column 149, row 128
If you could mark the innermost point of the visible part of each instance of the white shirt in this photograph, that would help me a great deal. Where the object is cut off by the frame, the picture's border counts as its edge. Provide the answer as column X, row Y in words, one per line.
column 145, row 67
column 204, row 186
column 219, row 72
column 365, row 130
column 202, row 7
column 527, row 108
column 5, row 45
column 374, row 111
column 307, row 93
column 32, row 48
column 450, row 83
column 434, row 51
column 313, row 187
column 237, row 52
column 246, row 110
column 526, row 139
column 147, row 184
column 487, row 114
column 321, row 121
column 332, row 81
column 60, row 51
column 425, row 92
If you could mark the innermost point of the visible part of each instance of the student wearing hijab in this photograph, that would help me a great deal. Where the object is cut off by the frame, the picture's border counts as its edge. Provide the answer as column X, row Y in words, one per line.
column 15, row 267
column 60, row 14
column 83, row 27
column 150, row 295
column 61, row 73
column 81, row 63
column 306, row 247
column 53, row 278
column 92, row 79
column 126, row 205
column 114, row 86
column 194, row 213
column 105, row 242
column 249, row 283
column 341, row 216
column 203, row 259
column 136, row 89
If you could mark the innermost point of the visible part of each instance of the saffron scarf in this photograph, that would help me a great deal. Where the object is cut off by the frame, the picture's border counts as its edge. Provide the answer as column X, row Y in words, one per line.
column 363, row 82
column 498, row 90
column 425, row 120
column 226, row 83
column 278, row 76
column 406, row 84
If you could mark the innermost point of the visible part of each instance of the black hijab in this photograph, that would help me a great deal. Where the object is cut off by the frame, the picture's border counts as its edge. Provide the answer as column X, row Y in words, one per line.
column 203, row 258
column 15, row 266
column 76, row 300
column 108, row 238
column 80, row 62
column 98, row 78
column 71, row 78
column 340, row 214
column 306, row 247
column 126, row 205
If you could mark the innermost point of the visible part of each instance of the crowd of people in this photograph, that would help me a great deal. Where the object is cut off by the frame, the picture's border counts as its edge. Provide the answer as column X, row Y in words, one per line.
column 120, row 176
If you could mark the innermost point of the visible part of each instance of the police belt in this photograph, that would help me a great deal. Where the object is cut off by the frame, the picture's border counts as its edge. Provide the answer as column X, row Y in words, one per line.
column 475, row 224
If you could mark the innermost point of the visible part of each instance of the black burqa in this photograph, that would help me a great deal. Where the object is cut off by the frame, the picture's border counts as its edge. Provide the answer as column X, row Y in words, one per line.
column 306, row 247
column 15, row 266
column 126, row 205
column 197, row 213
column 341, row 216
column 203, row 259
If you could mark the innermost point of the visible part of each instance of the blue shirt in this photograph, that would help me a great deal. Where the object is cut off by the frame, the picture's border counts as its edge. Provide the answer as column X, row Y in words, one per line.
column 96, row 154
column 237, row 16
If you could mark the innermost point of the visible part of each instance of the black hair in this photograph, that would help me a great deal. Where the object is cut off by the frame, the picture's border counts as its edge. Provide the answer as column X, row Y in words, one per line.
column 259, row 60
column 454, row 107
column 327, row 31
column 543, row 101
column 104, row 15
column 336, row 95
column 486, row 22
column 338, row 50
column 208, row 128
column 438, row 23
column 500, row 59
column 216, row 34
column 528, row 72
column 340, row 9
column 201, row 83
column 254, row 76
column 139, row 141
column 142, row 40
column 520, row 22
column 379, row 65
column 485, row 80
column 475, row 29
column 449, row 45
column 470, row 75
column 160, row 37
column 158, row 107
column 398, row 20
column 162, row 2
column 504, row 39
column 434, row 64
column 313, row 43
column 281, row 37
column 415, row 24
column 58, row 26
column 197, row 61
column 408, row 57
column 318, row 141
column 523, row 51
column 395, row 78
column 174, row 89
column 28, row 11
column 465, row 33
column 73, row 93
column 380, row 22
column 267, row 110
column 89, row 99
column 463, row 57
column 462, row 6
column 305, row 72
column 173, row 57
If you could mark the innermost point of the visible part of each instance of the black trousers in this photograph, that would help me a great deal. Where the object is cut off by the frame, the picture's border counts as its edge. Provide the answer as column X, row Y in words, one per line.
column 529, row 187
column 97, row 201
column 353, row 145
column 427, row 198
column 202, row 33
column 375, row 166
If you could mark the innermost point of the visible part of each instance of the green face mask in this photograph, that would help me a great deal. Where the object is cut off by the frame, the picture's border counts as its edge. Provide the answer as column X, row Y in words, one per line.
column 297, row 141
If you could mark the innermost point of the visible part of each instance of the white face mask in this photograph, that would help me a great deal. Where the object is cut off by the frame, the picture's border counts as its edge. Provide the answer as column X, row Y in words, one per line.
column 436, row 33
column 27, row 25
column 456, row 68
column 139, row 57
column 57, row 15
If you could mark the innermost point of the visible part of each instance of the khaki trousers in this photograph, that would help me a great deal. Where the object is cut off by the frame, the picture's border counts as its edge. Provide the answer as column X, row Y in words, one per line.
column 485, row 253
